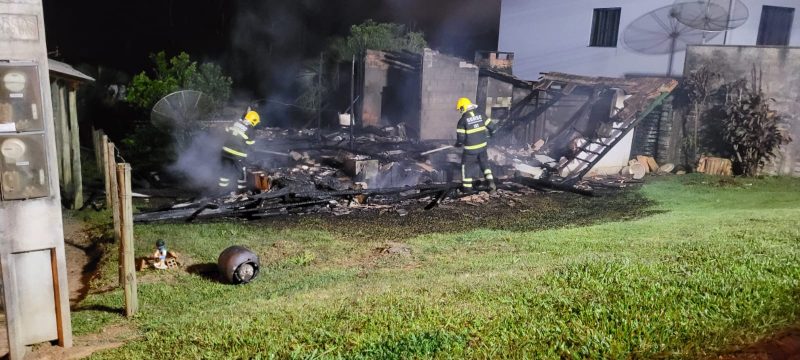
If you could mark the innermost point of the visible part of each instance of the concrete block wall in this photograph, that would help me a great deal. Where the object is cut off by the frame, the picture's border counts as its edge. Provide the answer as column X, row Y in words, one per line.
column 780, row 81
column 444, row 80
column 375, row 77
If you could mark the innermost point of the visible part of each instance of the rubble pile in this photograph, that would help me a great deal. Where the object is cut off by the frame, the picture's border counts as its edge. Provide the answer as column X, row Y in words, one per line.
column 296, row 197
column 378, row 170
column 299, row 174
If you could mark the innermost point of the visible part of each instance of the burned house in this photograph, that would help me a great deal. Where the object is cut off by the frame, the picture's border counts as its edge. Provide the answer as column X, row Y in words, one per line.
column 415, row 90
column 573, row 125
column 551, row 133
column 559, row 117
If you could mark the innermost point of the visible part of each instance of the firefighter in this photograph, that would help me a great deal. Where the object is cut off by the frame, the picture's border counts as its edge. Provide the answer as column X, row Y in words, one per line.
column 234, row 152
column 473, row 133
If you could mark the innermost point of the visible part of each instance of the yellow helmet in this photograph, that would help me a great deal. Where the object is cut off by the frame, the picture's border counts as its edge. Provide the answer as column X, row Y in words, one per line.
column 463, row 104
column 252, row 117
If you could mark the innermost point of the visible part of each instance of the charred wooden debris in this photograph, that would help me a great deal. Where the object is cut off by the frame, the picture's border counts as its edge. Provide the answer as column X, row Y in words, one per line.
column 298, row 174
column 553, row 135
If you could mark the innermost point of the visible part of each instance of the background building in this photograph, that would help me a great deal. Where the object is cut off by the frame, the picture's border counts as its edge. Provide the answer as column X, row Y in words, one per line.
column 632, row 37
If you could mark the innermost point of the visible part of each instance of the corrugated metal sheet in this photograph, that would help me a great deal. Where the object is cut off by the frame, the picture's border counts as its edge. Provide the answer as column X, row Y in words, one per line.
column 67, row 70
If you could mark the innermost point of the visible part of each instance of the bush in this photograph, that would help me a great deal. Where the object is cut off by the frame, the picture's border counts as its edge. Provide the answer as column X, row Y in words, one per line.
column 178, row 73
column 377, row 36
column 750, row 127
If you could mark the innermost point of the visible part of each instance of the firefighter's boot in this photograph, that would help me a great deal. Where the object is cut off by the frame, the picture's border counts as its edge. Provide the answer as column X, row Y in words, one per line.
column 467, row 190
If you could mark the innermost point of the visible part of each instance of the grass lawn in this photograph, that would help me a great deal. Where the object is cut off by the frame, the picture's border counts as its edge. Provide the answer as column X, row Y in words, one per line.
column 715, row 264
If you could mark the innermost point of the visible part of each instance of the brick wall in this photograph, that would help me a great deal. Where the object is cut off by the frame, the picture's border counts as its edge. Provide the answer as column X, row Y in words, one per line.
column 444, row 80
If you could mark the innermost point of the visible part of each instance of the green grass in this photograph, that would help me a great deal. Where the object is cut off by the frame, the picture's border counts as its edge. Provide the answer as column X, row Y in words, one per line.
column 714, row 267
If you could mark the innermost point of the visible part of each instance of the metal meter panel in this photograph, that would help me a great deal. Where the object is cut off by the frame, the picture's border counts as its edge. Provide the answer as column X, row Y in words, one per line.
column 20, row 98
column 23, row 167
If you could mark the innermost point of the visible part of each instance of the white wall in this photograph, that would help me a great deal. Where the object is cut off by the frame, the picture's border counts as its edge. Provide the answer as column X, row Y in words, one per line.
column 553, row 35
column 616, row 159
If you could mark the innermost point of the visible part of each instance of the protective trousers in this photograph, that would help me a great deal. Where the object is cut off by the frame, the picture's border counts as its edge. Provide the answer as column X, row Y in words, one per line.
column 232, row 167
column 470, row 163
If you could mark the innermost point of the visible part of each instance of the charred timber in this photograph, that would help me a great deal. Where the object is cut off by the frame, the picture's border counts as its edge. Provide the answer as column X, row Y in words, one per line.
column 549, row 185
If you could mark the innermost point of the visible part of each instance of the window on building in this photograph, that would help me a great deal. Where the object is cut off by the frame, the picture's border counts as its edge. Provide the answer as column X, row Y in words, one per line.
column 605, row 27
column 776, row 25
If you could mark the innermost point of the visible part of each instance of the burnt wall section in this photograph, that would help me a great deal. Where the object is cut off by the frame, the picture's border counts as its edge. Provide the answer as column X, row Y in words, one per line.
column 444, row 80
column 391, row 90
column 495, row 96
column 564, row 114
column 653, row 135
column 780, row 81
column 507, row 98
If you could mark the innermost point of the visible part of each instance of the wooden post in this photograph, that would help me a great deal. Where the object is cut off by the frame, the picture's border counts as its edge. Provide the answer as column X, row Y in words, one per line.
column 111, row 167
column 55, row 85
column 126, row 243
column 104, row 150
column 77, row 177
column 97, row 138
column 95, row 141
column 65, row 142
column 63, row 319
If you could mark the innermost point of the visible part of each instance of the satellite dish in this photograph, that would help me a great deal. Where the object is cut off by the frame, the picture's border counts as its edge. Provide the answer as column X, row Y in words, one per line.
column 660, row 32
column 711, row 15
column 181, row 109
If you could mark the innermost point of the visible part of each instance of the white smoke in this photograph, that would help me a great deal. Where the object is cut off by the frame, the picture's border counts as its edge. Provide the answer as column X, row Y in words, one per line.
column 199, row 162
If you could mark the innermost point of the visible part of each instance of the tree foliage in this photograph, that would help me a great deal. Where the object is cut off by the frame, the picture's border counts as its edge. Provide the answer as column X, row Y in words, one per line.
column 377, row 36
column 698, row 86
column 750, row 127
column 178, row 73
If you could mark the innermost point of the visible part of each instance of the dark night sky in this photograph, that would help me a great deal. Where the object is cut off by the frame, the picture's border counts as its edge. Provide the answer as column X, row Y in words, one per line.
column 121, row 34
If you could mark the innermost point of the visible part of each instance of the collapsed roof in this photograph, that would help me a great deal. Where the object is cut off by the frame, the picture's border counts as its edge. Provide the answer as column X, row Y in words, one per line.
column 580, row 119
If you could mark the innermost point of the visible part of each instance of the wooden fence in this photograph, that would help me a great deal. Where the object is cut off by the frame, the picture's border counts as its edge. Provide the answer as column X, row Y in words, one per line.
column 119, row 199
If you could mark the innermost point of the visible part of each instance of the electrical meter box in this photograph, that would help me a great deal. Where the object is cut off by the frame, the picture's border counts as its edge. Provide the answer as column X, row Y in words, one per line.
column 23, row 160
column 20, row 98
column 23, row 167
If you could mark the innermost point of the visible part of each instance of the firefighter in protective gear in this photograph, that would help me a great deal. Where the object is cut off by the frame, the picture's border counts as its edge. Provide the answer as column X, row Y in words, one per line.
column 234, row 152
column 473, row 134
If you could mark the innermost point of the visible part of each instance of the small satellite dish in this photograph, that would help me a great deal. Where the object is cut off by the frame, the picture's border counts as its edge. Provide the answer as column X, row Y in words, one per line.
column 660, row 32
column 181, row 109
column 711, row 15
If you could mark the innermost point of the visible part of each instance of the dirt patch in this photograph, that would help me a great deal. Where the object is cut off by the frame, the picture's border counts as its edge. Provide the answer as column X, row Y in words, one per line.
column 394, row 249
column 784, row 346
column 109, row 338
column 82, row 256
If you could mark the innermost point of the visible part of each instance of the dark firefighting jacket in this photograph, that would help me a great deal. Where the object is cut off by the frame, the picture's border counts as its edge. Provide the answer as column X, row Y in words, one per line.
column 473, row 132
column 239, row 138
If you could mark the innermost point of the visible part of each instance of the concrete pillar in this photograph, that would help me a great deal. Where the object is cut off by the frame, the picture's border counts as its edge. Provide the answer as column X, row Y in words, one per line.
column 31, row 231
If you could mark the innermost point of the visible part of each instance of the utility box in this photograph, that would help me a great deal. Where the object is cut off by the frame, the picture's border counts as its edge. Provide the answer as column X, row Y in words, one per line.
column 23, row 160
column 20, row 98
column 32, row 257
column 23, row 167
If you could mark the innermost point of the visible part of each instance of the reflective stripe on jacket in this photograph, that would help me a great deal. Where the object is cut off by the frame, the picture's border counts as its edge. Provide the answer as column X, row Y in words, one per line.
column 239, row 138
column 473, row 131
